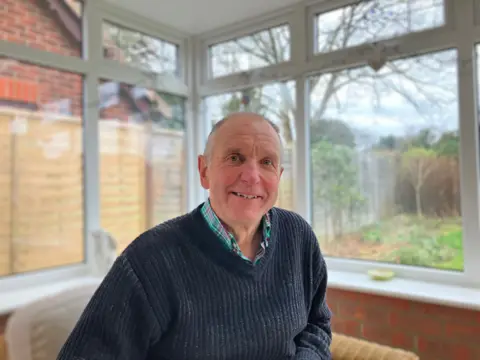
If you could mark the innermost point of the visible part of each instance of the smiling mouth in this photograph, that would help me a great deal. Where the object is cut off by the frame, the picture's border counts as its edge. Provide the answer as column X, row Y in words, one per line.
column 250, row 197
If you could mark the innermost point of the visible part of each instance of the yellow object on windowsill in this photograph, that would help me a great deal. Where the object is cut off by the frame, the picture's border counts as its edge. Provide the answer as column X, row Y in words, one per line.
column 381, row 274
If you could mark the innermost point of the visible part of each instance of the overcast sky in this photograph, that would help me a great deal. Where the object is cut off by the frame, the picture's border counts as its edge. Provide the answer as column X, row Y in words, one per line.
column 428, row 83
column 423, row 96
column 389, row 112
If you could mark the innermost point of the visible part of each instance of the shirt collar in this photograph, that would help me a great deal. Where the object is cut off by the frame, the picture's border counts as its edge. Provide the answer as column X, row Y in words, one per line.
column 216, row 224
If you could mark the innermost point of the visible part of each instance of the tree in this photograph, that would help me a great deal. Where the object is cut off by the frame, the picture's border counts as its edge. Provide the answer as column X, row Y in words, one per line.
column 389, row 142
column 147, row 53
column 448, row 144
column 355, row 24
column 249, row 99
column 153, row 56
column 333, row 131
column 423, row 139
column 417, row 164
column 262, row 100
column 336, row 186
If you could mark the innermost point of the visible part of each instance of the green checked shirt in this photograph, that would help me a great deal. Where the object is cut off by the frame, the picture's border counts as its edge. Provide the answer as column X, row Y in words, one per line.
column 228, row 238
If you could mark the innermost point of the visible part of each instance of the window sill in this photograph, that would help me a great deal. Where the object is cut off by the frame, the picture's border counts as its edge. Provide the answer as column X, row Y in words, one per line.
column 447, row 295
column 11, row 300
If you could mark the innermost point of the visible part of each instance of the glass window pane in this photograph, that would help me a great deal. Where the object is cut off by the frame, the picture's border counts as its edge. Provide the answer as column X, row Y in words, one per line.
column 385, row 162
column 264, row 48
column 277, row 103
column 51, row 25
column 41, row 162
column 142, row 157
column 374, row 20
column 139, row 50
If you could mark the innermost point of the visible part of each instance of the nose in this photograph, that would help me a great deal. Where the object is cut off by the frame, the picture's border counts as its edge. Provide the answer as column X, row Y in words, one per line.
column 250, row 173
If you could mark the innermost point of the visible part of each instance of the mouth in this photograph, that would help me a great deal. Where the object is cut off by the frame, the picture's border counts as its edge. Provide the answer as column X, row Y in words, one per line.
column 246, row 196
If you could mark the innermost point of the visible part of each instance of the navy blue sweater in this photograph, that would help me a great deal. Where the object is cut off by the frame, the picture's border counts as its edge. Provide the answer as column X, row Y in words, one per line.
column 176, row 293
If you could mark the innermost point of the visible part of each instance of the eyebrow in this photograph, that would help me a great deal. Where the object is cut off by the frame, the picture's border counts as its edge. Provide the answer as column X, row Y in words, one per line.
column 233, row 150
column 237, row 150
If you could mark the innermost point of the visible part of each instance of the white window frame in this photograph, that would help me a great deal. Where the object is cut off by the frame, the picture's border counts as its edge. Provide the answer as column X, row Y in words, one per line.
column 326, row 6
column 244, row 78
column 477, row 12
column 195, row 84
column 457, row 32
column 93, row 67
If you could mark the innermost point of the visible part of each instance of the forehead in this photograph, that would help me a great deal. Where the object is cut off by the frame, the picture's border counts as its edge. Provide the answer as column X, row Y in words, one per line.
column 247, row 132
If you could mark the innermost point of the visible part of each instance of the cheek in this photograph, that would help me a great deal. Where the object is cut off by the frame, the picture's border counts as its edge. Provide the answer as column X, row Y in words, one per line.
column 271, row 182
column 226, row 176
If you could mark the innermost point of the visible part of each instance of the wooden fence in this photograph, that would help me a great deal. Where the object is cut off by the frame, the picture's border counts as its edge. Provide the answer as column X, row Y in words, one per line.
column 142, row 183
column 41, row 186
column 41, row 196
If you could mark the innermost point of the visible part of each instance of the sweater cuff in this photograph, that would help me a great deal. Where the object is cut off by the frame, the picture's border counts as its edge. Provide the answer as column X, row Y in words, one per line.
column 308, row 354
column 303, row 356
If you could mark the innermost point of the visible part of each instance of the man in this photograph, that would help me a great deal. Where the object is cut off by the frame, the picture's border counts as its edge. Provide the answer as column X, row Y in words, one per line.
column 236, row 278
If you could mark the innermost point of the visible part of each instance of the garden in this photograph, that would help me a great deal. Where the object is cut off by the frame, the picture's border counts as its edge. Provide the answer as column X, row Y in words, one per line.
column 396, row 202
column 404, row 239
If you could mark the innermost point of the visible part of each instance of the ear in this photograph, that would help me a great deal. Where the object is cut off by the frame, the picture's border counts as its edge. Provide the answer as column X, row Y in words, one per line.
column 202, row 171
column 281, row 172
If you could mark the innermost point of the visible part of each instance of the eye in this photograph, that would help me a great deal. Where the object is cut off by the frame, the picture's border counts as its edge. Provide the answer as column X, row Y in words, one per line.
column 234, row 158
column 267, row 162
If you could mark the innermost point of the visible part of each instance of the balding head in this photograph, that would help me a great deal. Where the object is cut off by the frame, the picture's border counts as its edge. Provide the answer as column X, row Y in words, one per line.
column 238, row 116
column 241, row 168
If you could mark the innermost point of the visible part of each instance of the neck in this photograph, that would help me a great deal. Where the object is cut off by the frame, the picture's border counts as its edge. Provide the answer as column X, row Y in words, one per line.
column 245, row 234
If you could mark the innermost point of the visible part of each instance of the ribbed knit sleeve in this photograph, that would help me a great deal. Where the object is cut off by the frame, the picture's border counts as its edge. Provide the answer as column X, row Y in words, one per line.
column 118, row 322
column 313, row 343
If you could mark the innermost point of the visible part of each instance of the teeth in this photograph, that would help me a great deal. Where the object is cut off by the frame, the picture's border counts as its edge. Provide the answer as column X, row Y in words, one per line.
column 246, row 196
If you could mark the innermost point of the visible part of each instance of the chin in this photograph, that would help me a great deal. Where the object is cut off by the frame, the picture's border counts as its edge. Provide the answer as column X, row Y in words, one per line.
column 247, row 215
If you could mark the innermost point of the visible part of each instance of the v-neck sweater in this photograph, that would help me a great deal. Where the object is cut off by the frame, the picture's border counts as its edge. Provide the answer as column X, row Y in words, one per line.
column 177, row 293
column 228, row 238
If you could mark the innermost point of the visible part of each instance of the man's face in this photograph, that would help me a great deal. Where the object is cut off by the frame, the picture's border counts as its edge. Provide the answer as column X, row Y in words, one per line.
column 243, row 170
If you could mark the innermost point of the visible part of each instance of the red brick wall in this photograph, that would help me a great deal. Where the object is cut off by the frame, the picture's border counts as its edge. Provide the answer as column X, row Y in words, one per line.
column 121, row 111
column 434, row 332
column 3, row 350
column 31, row 23
column 51, row 85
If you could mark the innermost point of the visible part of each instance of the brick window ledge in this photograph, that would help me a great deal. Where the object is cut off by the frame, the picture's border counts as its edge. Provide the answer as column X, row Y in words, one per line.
column 408, row 289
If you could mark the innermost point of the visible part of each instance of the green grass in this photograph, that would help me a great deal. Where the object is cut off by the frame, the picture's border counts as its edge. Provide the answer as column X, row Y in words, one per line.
column 429, row 242
column 403, row 239
column 455, row 264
